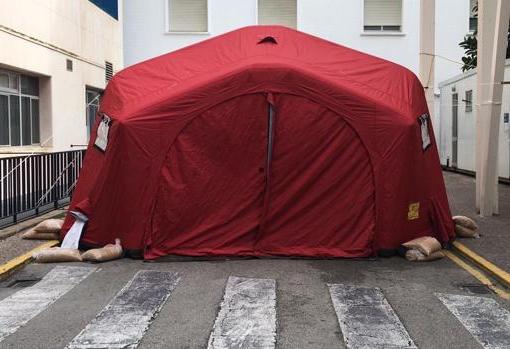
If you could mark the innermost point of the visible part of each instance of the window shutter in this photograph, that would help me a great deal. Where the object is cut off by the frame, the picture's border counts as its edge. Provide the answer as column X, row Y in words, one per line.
column 282, row 12
column 383, row 13
column 187, row 15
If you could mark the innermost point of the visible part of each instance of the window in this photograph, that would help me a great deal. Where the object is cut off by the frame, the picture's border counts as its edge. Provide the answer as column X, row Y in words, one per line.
column 187, row 16
column 473, row 15
column 92, row 98
column 469, row 101
column 382, row 15
column 19, row 109
column 8, row 81
column 109, row 6
column 282, row 12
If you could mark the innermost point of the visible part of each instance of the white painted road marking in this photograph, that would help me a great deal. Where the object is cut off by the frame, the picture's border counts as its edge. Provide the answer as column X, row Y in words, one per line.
column 19, row 308
column 123, row 322
column 483, row 317
column 247, row 318
column 367, row 319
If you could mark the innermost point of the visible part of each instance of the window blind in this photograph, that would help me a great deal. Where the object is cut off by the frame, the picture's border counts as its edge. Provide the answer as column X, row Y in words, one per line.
column 282, row 12
column 383, row 13
column 187, row 15
column 472, row 4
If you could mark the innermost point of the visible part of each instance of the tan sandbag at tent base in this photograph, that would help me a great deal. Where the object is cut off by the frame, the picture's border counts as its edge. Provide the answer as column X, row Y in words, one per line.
column 58, row 254
column 103, row 254
column 425, row 248
column 48, row 229
column 465, row 227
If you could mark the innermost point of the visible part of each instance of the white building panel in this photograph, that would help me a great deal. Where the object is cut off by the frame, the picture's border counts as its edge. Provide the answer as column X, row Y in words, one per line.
column 467, row 123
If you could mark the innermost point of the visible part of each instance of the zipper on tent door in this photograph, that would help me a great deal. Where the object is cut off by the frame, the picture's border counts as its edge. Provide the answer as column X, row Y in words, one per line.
column 269, row 157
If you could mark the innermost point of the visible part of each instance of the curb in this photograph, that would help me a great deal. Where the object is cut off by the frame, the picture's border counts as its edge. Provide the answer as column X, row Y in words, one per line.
column 7, row 268
column 494, row 270
column 484, row 280
column 16, row 228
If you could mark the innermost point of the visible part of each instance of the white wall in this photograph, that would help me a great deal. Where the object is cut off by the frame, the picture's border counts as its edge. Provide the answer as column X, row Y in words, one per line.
column 145, row 34
column 340, row 21
column 79, row 27
column 452, row 24
column 467, row 123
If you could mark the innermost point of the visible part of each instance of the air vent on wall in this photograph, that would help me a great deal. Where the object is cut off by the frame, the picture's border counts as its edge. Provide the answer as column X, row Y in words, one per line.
column 108, row 70
column 69, row 65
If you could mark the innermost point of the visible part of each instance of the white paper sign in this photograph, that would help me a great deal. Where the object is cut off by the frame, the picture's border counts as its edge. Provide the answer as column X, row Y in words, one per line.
column 102, row 133
column 424, row 125
column 72, row 238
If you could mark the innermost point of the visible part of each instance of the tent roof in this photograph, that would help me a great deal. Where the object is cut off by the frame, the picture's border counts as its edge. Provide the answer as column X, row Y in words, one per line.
column 296, row 60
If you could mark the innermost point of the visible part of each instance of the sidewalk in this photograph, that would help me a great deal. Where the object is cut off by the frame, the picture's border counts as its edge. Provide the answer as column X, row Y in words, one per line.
column 494, row 244
column 11, row 243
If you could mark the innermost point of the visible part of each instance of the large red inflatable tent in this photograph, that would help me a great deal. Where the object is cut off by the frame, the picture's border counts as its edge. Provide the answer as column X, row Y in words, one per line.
column 263, row 141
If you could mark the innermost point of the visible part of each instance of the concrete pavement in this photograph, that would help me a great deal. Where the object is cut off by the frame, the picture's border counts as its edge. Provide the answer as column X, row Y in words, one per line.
column 495, row 242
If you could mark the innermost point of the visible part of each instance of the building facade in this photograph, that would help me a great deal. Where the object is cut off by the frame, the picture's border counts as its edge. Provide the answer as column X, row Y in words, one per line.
column 56, row 57
column 457, row 136
column 386, row 28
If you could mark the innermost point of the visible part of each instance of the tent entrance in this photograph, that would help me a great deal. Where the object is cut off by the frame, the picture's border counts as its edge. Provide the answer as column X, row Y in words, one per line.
column 247, row 179
column 321, row 188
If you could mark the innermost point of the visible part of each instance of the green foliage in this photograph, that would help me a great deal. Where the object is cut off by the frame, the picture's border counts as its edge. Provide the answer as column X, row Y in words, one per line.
column 470, row 44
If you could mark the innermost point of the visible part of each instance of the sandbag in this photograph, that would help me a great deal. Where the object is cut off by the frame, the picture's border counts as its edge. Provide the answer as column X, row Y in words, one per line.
column 33, row 235
column 463, row 232
column 426, row 245
column 57, row 254
column 465, row 222
column 103, row 254
column 48, row 229
column 416, row 255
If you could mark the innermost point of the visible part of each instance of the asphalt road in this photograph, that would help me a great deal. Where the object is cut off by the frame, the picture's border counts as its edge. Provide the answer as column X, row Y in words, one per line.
column 305, row 316
column 495, row 241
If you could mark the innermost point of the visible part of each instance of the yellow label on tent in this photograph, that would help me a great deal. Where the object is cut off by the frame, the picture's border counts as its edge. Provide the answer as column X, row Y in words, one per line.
column 414, row 211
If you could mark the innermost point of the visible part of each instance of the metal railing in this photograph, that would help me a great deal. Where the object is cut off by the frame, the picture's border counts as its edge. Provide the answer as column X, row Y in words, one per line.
column 37, row 184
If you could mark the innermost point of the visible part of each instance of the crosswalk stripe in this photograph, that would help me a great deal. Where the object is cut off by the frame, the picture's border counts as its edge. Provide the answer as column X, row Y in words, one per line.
column 367, row 319
column 19, row 308
column 123, row 322
column 483, row 317
column 247, row 318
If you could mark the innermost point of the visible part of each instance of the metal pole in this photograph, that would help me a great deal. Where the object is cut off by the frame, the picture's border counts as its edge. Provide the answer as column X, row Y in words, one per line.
column 427, row 51
column 493, row 17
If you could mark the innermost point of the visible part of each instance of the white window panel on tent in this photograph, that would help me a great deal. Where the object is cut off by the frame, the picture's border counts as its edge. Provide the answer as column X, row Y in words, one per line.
column 282, row 12
column 382, row 15
column 187, row 16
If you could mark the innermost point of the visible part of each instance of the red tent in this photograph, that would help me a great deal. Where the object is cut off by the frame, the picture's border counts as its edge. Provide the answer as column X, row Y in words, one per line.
column 263, row 141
